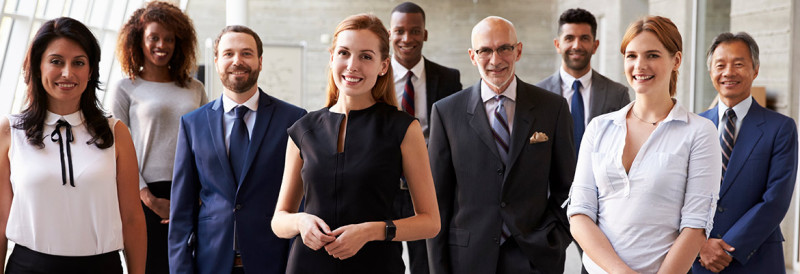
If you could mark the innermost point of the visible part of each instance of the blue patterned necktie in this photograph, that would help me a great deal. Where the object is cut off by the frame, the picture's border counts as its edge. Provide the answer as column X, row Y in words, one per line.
column 239, row 142
column 726, row 140
column 577, row 114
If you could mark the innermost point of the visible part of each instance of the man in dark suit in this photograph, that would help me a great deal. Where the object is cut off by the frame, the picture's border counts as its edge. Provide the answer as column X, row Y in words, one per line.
column 419, row 83
column 502, row 160
column 576, row 42
column 228, row 169
column 759, row 166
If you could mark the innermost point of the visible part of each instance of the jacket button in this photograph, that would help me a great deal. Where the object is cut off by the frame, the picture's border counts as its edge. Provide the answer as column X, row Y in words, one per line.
column 502, row 204
column 500, row 171
column 720, row 209
column 238, row 206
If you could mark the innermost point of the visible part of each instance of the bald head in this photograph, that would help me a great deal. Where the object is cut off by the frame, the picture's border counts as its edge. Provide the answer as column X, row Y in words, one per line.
column 496, row 26
column 494, row 51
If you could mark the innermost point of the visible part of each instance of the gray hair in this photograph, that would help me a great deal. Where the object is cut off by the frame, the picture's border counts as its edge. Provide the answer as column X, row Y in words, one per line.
column 727, row 37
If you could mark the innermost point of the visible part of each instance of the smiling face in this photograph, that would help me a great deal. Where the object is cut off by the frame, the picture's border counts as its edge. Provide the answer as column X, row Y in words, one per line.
column 407, row 36
column 496, row 68
column 356, row 62
column 65, row 73
column 237, row 61
column 732, row 71
column 158, row 44
column 576, row 46
column 648, row 64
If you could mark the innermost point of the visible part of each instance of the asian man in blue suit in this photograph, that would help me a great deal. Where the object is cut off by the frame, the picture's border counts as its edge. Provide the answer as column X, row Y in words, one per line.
column 759, row 148
column 228, row 170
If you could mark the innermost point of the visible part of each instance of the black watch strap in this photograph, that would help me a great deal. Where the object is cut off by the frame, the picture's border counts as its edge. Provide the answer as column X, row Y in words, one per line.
column 391, row 230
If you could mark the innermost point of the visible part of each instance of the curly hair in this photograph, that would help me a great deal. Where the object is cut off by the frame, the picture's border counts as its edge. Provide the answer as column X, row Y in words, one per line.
column 33, row 116
column 129, row 44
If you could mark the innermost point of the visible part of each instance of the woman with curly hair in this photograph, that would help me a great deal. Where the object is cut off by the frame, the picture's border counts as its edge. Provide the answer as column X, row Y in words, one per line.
column 156, row 49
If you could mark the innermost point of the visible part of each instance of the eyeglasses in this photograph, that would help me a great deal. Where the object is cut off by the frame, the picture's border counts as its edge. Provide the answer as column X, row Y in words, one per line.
column 504, row 50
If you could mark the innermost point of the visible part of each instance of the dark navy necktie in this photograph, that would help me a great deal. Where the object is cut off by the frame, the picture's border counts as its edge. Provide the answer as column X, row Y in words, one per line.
column 577, row 114
column 239, row 142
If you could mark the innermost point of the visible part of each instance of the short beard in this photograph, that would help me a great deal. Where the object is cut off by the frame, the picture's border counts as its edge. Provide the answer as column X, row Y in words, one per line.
column 240, row 86
column 578, row 65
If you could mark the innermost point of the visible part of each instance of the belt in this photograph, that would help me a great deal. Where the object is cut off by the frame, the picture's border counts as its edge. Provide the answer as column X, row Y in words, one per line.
column 237, row 260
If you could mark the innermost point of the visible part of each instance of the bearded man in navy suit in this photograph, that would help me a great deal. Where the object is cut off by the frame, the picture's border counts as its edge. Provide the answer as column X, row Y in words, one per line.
column 228, row 169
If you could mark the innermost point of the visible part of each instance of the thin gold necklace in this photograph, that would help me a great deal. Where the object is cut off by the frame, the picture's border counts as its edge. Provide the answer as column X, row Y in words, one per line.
column 640, row 119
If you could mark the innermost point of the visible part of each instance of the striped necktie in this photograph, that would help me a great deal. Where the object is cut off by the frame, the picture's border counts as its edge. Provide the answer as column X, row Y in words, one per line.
column 502, row 136
column 500, row 128
column 408, row 95
column 726, row 140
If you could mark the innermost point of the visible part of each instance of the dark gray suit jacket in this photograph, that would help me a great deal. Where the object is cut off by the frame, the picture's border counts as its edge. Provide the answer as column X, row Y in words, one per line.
column 607, row 95
column 440, row 82
column 477, row 193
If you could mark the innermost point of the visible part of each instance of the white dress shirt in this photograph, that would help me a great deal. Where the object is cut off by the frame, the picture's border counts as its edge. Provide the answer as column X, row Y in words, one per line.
column 740, row 109
column 230, row 116
column 586, row 91
column 673, row 183
column 419, row 81
column 54, row 218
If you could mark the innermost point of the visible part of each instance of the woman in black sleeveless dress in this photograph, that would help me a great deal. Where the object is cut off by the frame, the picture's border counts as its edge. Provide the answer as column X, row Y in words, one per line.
column 347, row 159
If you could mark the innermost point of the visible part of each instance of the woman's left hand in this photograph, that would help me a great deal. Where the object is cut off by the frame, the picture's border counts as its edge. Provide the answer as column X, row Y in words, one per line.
column 349, row 240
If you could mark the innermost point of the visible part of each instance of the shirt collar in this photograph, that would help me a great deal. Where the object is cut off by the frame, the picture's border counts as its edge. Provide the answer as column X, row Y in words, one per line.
column 677, row 113
column 741, row 108
column 228, row 104
column 567, row 79
column 510, row 92
column 400, row 71
column 74, row 119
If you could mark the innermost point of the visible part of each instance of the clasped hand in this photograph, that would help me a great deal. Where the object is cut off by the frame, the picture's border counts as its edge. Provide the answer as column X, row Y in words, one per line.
column 342, row 243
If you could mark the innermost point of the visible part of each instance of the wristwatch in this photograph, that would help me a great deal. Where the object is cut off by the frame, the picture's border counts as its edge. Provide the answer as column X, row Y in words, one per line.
column 391, row 230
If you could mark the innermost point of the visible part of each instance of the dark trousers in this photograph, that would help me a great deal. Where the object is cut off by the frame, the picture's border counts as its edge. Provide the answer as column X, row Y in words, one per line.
column 511, row 260
column 26, row 261
column 417, row 250
column 157, row 257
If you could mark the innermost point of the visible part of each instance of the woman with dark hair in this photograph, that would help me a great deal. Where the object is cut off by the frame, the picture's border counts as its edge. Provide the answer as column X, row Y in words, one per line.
column 67, row 173
column 156, row 49
column 347, row 159
column 647, row 177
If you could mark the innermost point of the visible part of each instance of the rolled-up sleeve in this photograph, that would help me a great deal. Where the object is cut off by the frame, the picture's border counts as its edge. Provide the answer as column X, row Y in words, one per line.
column 703, row 180
column 583, row 193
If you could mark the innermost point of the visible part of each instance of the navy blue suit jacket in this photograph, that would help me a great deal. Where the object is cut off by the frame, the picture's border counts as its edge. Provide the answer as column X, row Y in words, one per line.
column 756, row 191
column 207, row 201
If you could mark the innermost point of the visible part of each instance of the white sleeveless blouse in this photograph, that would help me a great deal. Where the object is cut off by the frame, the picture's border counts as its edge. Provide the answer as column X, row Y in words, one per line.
column 55, row 218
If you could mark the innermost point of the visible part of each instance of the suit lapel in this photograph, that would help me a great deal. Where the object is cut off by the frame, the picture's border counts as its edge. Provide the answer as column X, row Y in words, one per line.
column 599, row 96
column 431, row 86
column 263, row 118
column 476, row 113
column 523, row 121
column 748, row 137
column 215, row 116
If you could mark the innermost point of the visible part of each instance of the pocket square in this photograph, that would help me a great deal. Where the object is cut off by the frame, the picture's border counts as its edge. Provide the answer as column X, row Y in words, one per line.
column 539, row 137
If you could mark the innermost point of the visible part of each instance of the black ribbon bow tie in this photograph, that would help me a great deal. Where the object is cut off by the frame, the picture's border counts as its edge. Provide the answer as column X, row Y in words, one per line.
column 56, row 137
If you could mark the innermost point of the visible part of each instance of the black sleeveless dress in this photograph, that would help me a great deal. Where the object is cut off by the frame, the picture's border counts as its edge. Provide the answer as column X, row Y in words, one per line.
column 355, row 186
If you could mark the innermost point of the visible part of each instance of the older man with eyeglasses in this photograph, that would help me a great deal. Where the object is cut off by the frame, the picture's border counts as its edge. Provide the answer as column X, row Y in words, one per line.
column 502, row 160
